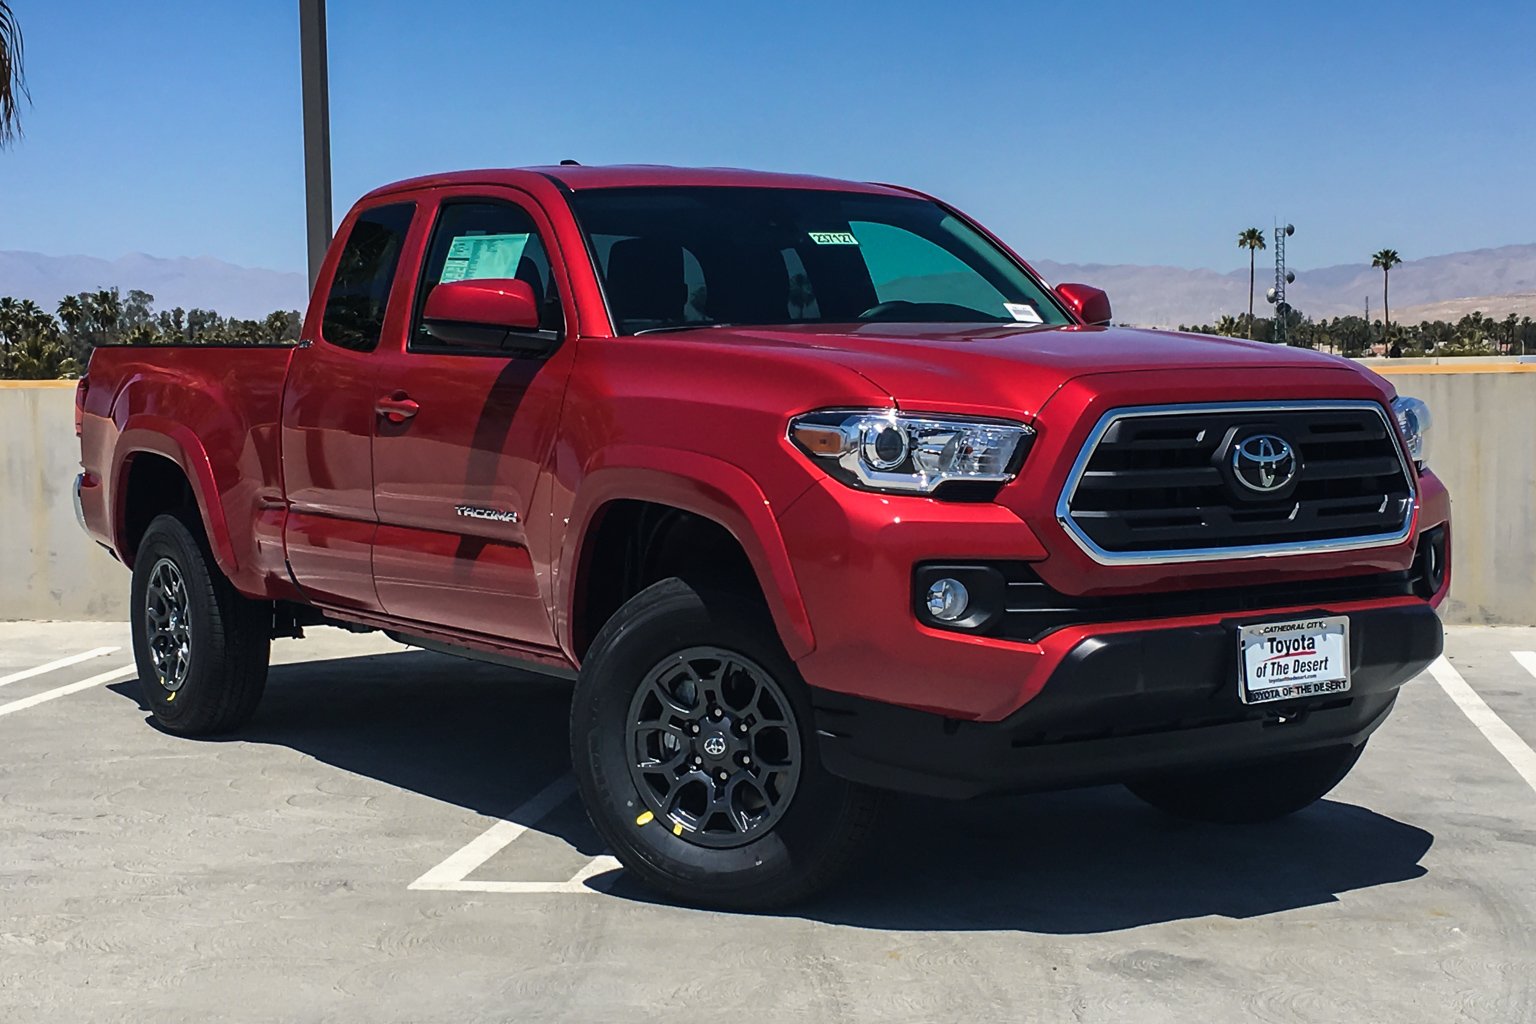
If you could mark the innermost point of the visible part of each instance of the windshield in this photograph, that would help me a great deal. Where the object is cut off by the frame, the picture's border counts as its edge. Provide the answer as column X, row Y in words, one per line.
column 674, row 257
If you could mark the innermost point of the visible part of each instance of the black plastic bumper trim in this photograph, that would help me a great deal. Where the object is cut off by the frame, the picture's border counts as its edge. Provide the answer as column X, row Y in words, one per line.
column 1123, row 705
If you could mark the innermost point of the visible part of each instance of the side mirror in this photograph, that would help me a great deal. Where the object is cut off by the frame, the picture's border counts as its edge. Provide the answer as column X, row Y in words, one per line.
column 492, row 313
column 1090, row 304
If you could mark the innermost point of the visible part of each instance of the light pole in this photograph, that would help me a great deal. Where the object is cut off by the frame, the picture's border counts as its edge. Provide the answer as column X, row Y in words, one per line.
column 317, row 132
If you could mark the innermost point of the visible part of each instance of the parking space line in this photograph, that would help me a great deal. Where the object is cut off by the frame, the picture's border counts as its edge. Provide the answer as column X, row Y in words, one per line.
column 73, row 659
column 1504, row 739
column 452, row 875
column 1527, row 660
column 114, row 676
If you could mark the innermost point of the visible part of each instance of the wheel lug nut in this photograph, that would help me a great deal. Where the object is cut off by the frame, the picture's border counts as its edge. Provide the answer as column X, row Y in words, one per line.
column 694, row 728
column 723, row 776
column 742, row 728
column 697, row 759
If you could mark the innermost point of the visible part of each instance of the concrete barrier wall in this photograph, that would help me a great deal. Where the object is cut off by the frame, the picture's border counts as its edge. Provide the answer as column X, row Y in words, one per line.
column 1484, row 448
column 1485, row 427
column 50, row 569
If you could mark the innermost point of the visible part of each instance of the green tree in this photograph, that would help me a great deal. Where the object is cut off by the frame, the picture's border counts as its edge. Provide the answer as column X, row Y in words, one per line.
column 1251, row 239
column 13, row 82
column 1386, row 259
column 106, row 307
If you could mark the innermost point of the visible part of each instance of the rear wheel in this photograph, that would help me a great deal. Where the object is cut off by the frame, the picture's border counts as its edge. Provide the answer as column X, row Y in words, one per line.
column 1250, row 792
column 692, row 747
column 201, row 647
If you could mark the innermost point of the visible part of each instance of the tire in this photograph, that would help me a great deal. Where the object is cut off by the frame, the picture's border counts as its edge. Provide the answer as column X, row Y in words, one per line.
column 782, row 827
column 1248, row 793
column 202, row 656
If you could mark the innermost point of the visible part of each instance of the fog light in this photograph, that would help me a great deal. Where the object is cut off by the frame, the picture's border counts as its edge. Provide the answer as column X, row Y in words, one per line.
column 948, row 599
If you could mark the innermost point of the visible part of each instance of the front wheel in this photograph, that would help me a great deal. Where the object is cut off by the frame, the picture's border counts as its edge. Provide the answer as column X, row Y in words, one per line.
column 692, row 746
column 1241, row 794
column 201, row 647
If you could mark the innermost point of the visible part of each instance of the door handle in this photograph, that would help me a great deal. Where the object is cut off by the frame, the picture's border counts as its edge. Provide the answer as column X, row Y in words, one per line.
column 397, row 408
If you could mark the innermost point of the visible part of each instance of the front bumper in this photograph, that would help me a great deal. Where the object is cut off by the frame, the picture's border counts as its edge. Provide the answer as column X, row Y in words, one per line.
column 855, row 554
column 1124, row 704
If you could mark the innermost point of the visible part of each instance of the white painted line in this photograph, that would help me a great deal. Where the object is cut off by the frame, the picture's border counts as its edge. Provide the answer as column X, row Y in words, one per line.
column 73, row 659
column 116, row 675
column 1504, row 739
column 451, row 873
column 1527, row 660
column 596, row 866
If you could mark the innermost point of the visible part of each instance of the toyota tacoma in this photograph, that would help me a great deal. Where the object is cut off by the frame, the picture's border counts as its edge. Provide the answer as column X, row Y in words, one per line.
column 814, row 488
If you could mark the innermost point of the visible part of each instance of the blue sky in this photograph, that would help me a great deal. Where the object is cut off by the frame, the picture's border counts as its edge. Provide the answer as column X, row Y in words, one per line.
column 1081, row 132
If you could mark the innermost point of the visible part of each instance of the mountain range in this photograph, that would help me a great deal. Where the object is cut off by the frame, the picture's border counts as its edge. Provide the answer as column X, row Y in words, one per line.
column 190, row 282
column 1500, row 279
column 1492, row 281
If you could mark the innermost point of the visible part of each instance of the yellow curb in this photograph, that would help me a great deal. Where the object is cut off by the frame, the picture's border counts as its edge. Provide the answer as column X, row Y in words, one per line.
column 1395, row 371
column 38, row 383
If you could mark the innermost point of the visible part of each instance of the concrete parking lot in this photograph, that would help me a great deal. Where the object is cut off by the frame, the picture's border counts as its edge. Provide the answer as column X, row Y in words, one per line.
column 392, row 838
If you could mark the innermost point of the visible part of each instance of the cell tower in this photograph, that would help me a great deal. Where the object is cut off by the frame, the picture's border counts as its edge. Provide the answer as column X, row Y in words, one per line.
column 1283, row 277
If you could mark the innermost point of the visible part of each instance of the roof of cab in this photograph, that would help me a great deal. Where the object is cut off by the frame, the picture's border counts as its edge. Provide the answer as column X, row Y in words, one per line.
column 576, row 178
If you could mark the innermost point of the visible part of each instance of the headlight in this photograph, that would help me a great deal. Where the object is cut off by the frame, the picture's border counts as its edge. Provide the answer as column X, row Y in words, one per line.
column 884, row 450
column 1413, row 417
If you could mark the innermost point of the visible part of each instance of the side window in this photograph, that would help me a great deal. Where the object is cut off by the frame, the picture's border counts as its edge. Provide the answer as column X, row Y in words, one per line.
column 359, row 295
column 486, row 238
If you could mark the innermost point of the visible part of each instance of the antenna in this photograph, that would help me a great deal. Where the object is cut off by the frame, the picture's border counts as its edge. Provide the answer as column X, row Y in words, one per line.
column 1283, row 277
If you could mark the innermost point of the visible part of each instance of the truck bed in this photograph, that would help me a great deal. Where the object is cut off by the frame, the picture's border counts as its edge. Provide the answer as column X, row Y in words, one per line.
column 217, row 411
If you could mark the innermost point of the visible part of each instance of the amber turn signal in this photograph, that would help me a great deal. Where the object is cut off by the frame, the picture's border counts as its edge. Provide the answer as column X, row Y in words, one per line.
column 817, row 439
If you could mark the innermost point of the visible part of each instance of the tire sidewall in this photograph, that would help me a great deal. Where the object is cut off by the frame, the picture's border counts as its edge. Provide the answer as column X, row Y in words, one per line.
column 167, row 537
column 674, row 618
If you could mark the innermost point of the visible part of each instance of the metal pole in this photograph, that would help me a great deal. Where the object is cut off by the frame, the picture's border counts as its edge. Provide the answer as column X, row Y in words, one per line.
column 317, row 132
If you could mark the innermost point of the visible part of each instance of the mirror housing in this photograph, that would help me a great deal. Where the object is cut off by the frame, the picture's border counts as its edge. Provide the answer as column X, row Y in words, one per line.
column 492, row 313
column 1089, row 304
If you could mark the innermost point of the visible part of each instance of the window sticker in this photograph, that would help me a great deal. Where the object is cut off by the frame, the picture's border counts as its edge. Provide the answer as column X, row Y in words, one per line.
column 472, row 257
column 833, row 237
column 1024, row 312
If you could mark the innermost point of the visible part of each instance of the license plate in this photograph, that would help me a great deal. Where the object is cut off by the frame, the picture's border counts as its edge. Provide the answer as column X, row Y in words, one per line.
column 1290, row 660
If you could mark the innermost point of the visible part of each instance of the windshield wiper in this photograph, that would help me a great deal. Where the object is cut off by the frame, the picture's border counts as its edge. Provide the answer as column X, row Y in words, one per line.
column 694, row 326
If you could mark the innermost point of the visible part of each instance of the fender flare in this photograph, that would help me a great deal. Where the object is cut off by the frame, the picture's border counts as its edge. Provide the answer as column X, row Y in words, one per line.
column 696, row 483
column 149, row 434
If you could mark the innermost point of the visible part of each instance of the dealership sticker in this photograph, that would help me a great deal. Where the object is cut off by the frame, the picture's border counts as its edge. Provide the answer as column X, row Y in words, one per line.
column 1024, row 312
column 833, row 237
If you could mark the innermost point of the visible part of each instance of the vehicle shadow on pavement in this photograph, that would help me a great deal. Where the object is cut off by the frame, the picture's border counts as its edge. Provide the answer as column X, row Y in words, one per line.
column 1099, row 860
column 482, row 737
column 487, row 739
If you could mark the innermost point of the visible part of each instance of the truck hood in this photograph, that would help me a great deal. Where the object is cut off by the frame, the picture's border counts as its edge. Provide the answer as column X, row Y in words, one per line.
column 1013, row 370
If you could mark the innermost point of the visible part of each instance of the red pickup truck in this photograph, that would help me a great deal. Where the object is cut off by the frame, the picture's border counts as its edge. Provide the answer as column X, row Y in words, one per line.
column 813, row 488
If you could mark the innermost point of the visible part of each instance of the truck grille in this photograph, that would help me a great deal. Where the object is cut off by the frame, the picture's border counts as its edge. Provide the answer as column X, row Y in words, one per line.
column 1169, row 483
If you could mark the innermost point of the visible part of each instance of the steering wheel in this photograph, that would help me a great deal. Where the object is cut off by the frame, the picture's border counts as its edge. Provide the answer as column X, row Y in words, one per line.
column 881, row 310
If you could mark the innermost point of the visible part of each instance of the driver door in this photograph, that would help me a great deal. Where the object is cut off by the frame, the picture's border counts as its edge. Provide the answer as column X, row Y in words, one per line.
column 457, row 478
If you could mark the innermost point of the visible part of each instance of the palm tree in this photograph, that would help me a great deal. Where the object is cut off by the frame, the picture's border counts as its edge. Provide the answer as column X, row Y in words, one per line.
column 107, row 310
column 1251, row 239
column 13, row 84
column 72, row 312
column 1386, row 259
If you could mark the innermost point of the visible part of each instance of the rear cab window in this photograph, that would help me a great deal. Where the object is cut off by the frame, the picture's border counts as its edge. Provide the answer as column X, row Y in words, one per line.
column 365, row 272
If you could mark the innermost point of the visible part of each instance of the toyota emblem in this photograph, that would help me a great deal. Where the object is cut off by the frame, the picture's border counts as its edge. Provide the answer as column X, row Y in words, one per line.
column 715, row 746
column 1264, row 463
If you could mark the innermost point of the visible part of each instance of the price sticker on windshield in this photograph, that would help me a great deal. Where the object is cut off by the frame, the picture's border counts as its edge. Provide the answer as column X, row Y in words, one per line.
column 1290, row 660
column 833, row 237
